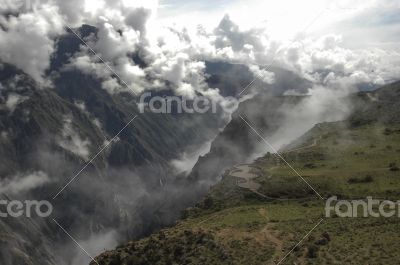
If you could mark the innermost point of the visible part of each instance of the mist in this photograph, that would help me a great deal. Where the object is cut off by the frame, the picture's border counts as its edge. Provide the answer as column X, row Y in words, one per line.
column 320, row 104
column 189, row 158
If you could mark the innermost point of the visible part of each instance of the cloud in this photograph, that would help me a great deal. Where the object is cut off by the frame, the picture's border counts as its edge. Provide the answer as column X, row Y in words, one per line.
column 23, row 182
column 322, row 104
column 71, row 140
column 188, row 159
column 228, row 34
column 27, row 40
column 96, row 243
column 325, row 61
column 111, row 44
column 13, row 100
column 174, row 56
column 262, row 74
column 138, row 18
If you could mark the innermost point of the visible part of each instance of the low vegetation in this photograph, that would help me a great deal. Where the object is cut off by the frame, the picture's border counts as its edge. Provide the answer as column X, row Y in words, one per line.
column 234, row 225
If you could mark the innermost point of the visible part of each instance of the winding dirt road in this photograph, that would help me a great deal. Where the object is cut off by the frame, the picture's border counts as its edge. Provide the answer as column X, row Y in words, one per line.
column 243, row 172
column 246, row 181
column 314, row 143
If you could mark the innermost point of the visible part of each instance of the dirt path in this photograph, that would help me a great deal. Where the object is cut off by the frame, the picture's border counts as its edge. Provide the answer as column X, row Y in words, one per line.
column 314, row 143
column 247, row 181
column 372, row 98
column 243, row 172
column 267, row 231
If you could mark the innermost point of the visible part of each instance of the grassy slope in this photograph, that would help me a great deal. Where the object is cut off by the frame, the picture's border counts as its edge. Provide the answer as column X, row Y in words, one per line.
column 350, row 163
column 353, row 160
column 235, row 226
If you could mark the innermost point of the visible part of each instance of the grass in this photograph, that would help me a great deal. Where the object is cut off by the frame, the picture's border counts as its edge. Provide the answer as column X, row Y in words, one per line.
column 351, row 163
column 365, row 152
column 240, row 227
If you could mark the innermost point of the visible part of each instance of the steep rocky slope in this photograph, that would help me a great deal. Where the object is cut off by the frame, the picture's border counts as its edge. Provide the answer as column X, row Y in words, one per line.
column 55, row 130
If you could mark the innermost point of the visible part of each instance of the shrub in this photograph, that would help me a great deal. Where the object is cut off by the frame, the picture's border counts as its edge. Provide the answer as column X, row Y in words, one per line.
column 208, row 203
column 310, row 165
column 387, row 131
column 115, row 260
column 395, row 168
column 312, row 252
column 366, row 179
column 327, row 236
column 322, row 241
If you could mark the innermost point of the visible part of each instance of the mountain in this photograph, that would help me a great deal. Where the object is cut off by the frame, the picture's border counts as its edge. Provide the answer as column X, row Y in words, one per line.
column 24, row 241
column 231, row 79
column 259, row 212
column 236, row 143
column 49, row 132
column 276, row 116
column 63, row 130
column 119, row 163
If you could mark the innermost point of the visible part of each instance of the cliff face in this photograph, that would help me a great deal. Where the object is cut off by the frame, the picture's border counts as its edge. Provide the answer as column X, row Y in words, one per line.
column 237, row 143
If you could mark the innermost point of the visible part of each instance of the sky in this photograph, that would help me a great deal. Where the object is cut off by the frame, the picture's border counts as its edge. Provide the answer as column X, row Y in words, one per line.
column 331, row 43
column 376, row 22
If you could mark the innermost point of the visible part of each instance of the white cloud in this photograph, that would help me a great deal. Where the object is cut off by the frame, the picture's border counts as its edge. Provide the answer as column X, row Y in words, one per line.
column 23, row 182
column 112, row 45
column 27, row 40
column 188, row 159
column 175, row 55
column 13, row 100
column 262, row 74
column 71, row 140
column 323, row 104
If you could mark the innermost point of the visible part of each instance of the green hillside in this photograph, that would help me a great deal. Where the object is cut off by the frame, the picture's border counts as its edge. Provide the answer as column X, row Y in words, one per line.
column 261, row 220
